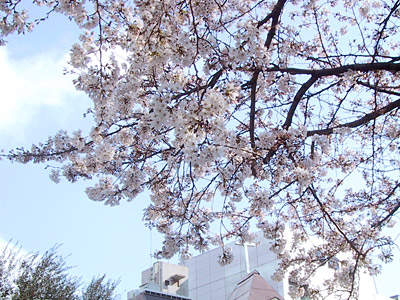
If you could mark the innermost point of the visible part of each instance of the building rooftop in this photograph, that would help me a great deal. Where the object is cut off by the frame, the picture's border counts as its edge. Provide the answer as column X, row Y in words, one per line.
column 254, row 287
column 153, row 295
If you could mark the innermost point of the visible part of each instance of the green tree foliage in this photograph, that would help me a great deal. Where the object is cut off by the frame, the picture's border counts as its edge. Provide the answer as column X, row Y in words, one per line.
column 98, row 288
column 46, row 277
column 8, row 263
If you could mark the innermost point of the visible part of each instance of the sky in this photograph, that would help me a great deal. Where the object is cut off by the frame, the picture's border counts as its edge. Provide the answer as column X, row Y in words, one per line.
column 36, row 101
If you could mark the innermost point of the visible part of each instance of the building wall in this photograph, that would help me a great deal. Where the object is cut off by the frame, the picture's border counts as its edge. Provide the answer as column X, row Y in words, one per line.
column 209, row 281
column 202, row 278
column 166, row 278
column 152, row 295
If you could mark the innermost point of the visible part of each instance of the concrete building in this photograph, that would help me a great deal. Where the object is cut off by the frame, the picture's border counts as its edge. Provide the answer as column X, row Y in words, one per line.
column 210, row 281
column 202, row 278
column 164, row 278
column 152, row 295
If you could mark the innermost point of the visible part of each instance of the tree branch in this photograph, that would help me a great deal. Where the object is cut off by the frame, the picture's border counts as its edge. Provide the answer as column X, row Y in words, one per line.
column 380, row 34
column 392, row 212
column 331, row 220
column 366, row 67
column 315, row 75
column 253, row 83
column 210, row 84
column 299, row 95
column 274, row 15
column 363, row 120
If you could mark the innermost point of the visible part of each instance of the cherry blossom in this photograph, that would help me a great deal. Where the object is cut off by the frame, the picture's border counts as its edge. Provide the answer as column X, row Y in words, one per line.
column 277, row 115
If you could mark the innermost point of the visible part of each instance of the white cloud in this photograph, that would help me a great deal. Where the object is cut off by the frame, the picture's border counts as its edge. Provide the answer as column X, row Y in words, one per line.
column 30, row 86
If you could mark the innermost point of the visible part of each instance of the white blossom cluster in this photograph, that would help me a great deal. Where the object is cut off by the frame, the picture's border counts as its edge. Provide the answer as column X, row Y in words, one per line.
column 237, row 115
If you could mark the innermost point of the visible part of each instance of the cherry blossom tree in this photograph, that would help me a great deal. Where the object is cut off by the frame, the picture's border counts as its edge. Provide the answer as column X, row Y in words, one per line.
column 236, row 115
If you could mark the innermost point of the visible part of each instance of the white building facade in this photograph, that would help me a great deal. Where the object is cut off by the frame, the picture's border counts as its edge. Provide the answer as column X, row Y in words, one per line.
column 202, row 278
column 165, row 278
column 210, row 281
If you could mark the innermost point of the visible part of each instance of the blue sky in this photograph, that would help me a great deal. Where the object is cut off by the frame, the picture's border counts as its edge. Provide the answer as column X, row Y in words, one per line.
column 37, row 101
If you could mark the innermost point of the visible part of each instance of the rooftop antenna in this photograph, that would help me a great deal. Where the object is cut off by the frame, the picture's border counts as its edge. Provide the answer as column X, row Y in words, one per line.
column 151, row 247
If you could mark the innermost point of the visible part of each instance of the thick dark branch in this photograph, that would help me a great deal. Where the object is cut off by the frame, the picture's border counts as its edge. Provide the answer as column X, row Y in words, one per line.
column 348, row 55
column 299, row 95
column 363, row 120
column 274, row 15
column 253, row 83
column 214, row 78
column 368, row 67
column 315, row 75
